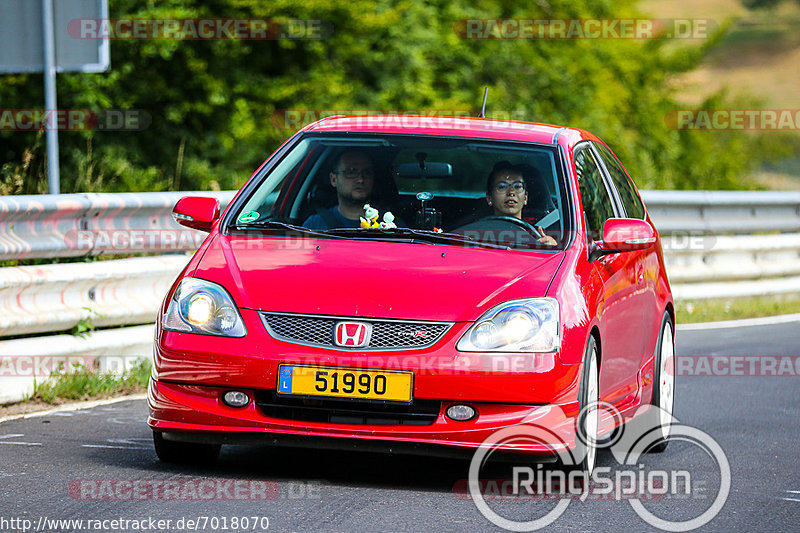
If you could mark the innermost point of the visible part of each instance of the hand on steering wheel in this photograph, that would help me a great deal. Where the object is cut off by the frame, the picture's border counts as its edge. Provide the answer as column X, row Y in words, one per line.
column 541, row 238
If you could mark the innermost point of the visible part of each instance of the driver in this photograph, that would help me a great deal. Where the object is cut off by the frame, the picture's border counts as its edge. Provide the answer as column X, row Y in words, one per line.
column 507, row 194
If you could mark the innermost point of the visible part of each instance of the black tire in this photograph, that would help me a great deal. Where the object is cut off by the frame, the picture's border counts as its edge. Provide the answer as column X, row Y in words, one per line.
column 586, row 442
column 184, row 452
column 663, row 385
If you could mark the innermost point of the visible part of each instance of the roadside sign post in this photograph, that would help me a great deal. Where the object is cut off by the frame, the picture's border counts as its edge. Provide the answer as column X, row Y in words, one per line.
column 34, row 37
column 50, row 102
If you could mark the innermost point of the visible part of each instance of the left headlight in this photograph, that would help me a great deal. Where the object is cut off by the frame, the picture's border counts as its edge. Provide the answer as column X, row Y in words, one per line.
column 529, row 325
column 200, row 306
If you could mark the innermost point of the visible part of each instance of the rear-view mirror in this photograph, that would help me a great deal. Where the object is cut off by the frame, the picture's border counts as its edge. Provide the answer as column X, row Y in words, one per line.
column 425, row 169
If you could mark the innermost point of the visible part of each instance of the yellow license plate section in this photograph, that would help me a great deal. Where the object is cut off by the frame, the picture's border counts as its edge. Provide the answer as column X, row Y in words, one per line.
column 334, row 382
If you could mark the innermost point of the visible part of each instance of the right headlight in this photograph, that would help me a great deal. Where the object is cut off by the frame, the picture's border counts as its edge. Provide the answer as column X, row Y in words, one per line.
column 200, row 306
column 529, row 325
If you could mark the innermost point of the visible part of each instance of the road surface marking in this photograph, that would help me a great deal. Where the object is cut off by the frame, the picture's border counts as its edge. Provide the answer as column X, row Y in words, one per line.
column 14, row 436
column 791, row 499
column 135, row 443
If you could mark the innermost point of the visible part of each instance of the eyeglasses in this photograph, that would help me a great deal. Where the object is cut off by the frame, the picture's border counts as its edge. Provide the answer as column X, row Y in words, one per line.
column 353, row 173
column 503, row 186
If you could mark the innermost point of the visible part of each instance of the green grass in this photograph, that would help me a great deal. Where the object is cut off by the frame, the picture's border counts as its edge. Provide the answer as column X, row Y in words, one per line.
column 81, row 383
column 78, row 259
column 735, row 308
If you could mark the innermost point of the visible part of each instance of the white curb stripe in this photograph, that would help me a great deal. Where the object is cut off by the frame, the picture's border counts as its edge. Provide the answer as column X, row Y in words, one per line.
column 75, row 407
column 743, row 323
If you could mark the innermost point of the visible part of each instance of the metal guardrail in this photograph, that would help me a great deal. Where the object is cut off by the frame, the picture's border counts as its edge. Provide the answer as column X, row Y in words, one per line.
column 38, row 299
column 719, row 212
column 26, row 360
column 716, row 244
column 75, row 225
column 728, row 244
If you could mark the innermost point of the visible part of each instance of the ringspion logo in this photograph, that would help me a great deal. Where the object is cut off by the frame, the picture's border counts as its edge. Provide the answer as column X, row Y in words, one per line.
column 631, row 481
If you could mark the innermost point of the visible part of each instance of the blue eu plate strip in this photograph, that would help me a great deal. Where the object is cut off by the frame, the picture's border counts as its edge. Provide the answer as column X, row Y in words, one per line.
column 285, row 379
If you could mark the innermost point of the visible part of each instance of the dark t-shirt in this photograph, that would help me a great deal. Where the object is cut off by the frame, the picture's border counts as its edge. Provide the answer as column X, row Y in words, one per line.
column 316, row 222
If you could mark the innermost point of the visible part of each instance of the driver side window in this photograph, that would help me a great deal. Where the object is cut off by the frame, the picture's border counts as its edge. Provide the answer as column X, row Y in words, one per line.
column 597, row 206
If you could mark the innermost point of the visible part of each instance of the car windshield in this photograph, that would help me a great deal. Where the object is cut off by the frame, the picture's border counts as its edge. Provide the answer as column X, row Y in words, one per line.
column 436, row 190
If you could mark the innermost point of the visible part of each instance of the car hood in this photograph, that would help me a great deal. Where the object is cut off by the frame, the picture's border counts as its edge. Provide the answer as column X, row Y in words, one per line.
column 364, row 278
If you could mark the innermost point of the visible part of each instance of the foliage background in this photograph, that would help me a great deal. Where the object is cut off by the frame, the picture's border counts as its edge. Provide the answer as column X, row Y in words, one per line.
column 213, row 103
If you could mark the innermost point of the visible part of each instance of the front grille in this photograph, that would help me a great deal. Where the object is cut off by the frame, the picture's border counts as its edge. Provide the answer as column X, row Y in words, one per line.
column 386, row 334
column 418, row 413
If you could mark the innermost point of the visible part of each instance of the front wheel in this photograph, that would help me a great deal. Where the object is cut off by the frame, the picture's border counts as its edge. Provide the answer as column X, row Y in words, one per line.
column 170, row 451
column 663, row 400
column 588, row 416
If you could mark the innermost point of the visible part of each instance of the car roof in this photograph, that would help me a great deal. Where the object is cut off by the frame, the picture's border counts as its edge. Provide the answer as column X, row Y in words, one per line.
column 473, row 127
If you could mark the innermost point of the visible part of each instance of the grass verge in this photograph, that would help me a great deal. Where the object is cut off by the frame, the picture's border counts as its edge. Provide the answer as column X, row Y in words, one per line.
column 82, row 383
column 713, row 310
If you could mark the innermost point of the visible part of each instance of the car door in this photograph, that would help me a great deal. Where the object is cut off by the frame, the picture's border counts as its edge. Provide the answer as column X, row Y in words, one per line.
column 645, row 262
column 620, row 322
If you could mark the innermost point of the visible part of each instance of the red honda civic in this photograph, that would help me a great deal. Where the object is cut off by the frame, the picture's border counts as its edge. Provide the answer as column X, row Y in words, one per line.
column 415, row 284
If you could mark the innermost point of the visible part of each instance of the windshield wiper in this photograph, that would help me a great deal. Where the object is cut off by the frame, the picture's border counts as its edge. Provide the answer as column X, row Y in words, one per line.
column 274, row 224
column 378, row 234
column 428, row 236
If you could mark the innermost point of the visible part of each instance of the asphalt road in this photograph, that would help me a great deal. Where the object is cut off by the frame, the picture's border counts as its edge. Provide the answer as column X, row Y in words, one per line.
column 97, row 466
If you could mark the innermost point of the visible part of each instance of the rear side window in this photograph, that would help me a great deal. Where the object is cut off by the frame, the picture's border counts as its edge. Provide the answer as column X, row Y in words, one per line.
column 627, row 191
column 597, row 206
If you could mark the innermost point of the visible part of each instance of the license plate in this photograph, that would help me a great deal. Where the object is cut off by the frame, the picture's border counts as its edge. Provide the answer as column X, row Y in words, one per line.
column 334, row 382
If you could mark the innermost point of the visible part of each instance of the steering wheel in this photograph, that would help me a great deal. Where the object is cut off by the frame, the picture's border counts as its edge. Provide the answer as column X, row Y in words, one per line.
column 530, row 228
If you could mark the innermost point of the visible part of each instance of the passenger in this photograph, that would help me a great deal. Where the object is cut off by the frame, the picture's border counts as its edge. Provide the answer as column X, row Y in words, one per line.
column 507, row 194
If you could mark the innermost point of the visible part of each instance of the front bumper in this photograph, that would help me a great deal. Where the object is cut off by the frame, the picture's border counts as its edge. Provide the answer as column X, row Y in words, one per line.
column 192, row 372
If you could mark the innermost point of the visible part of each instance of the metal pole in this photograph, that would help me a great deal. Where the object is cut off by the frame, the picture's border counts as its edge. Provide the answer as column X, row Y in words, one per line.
column 53, row 177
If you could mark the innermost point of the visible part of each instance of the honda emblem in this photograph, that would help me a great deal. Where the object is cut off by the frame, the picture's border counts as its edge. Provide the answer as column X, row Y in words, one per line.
column 352, row 334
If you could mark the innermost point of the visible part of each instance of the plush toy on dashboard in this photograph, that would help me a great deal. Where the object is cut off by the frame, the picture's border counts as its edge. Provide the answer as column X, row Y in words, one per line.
column 371, row 220
column 388, row 221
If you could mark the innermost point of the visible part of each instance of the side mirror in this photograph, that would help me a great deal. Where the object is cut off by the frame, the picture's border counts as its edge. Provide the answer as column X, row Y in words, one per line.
column 196, row 212
column 624, row 235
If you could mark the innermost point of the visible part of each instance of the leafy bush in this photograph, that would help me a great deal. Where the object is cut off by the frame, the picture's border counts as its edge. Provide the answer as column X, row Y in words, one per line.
column 212, row 103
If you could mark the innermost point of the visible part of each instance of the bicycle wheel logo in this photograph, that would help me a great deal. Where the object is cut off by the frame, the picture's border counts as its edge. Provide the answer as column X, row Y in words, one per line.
column 548, row 430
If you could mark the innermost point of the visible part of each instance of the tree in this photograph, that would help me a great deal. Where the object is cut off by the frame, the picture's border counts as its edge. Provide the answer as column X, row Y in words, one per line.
column 218, row 107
